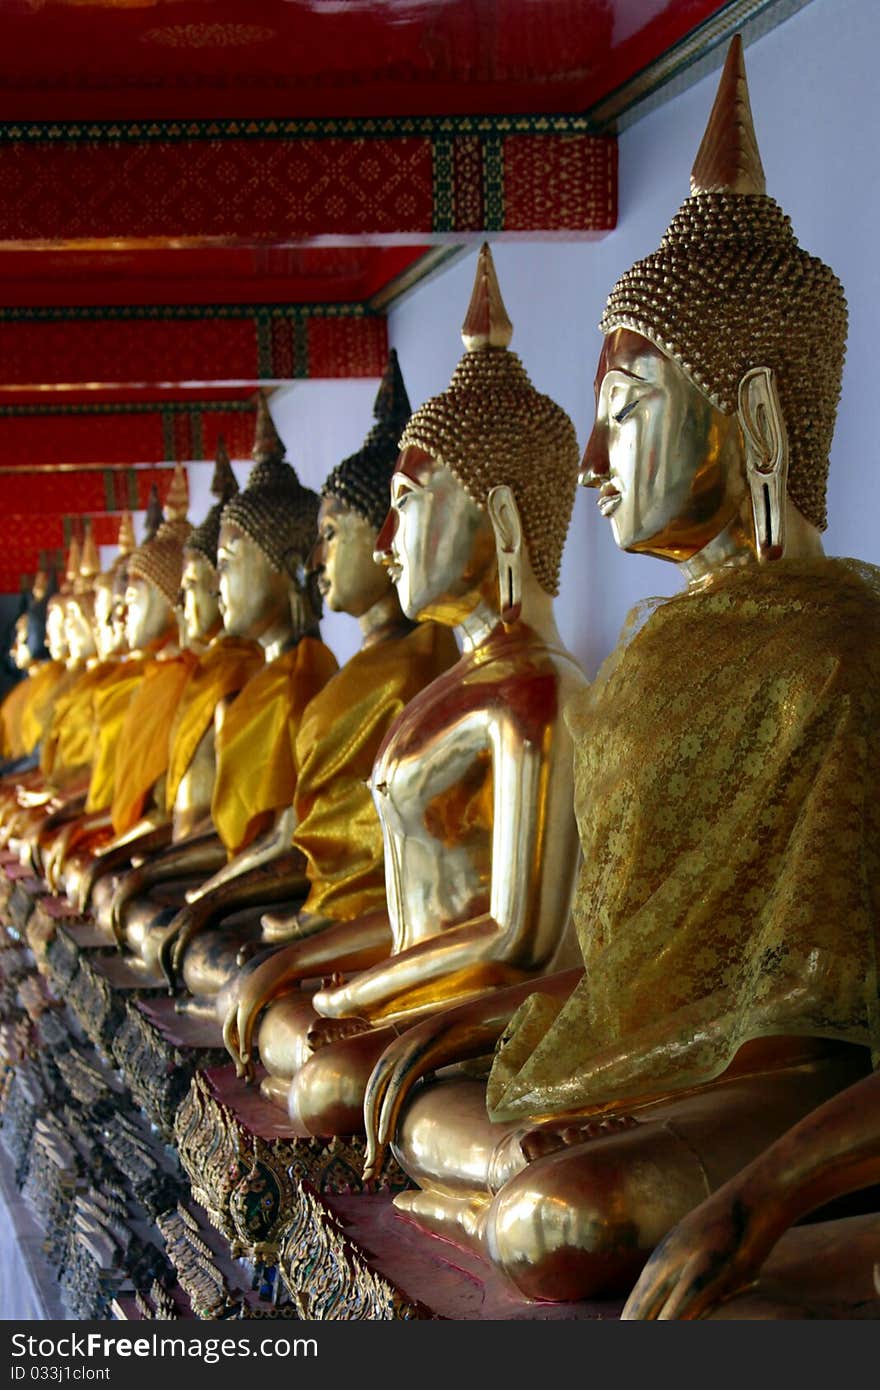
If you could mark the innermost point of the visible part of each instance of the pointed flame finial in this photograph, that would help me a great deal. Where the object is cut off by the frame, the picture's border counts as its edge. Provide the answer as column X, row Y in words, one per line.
column 74, row 556
column 224, row 483
column 728, row 160
column 268, row 447
column 391, row 406
column 177, row 501
column 90, row 561
column 125, row 539
column 486, row 323
column 153, row 518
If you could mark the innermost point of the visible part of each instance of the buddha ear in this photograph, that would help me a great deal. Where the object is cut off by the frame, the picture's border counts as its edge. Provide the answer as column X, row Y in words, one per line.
column 766, row 446
column 506, row 523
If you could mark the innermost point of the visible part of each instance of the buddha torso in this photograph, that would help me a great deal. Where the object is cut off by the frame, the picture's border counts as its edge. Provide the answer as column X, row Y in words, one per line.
column 433, row 782
column 336, row 824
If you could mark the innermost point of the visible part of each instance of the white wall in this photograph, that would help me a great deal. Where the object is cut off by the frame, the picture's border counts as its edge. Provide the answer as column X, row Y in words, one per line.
column 812, row 84
column 322, row 422
column 813, row 89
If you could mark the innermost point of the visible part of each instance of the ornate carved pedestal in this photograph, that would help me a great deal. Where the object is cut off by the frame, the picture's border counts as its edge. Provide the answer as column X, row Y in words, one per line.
column 246, row 1164
column 159, row 1051
column 347, row 1258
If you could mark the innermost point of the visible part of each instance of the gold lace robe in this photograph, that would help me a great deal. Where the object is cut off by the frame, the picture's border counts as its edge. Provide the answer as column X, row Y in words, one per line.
column 727, row 784
column 256, row 766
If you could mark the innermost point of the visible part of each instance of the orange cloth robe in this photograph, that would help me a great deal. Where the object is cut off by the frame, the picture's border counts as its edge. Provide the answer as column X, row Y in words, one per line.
column 142, row 753
column 339, row 735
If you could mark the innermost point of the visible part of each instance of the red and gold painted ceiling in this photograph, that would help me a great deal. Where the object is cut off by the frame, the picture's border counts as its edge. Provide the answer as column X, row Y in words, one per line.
column 202, row 195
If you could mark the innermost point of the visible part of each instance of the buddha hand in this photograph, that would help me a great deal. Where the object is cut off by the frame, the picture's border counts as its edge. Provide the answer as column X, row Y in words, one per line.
column 87, row 882
column 258, row 985
column 132, row 885
column 181, row 930
column 325, row 1031
column 712, row 1254
column 456, row 1035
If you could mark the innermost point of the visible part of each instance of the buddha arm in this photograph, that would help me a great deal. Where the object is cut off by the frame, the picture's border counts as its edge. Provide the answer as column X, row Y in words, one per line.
column 276, row 881
column 144, row 838
column 456, row 1035
column 353, row 945
column 534, row 855
column 268, row 847
column 197, row 854
column 719, row 1248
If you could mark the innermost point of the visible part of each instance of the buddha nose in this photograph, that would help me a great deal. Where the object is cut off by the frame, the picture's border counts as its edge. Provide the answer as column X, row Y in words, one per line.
column 382, row 548
column 315, row 558
column 595, row 467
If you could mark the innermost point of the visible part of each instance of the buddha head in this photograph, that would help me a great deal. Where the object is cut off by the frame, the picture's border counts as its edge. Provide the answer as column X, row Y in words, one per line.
column 154, row 570
column 29, row 633
column 718, row 382
column 110, row 633
column 56, row 608
column 80, row 610
column 19, row 649
column 354, row 504
column 267, row 532
column 199, row 595
column 482, row 494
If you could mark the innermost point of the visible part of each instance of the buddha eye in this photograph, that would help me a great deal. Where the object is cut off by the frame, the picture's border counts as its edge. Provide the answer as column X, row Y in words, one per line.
column 627, row 410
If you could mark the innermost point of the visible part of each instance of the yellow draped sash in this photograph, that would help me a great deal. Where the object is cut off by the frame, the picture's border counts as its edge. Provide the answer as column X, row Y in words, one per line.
column 142, row 752
column 42, row 690
column 11, row 711
column 727, row 790
column 256, row 767
column 69, row 745
column 227, row 665
column 110, row 704
column 339, row 735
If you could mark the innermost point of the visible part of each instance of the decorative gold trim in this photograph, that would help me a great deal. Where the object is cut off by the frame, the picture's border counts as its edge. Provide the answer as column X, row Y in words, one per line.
column 697, row 54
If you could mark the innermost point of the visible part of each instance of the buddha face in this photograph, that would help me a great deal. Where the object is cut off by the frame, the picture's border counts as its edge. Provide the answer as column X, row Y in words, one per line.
column 56, row 633
column 669, row 466
column 21, row 652
column 147, row 613
column 80, row 634
column 119, row 614
column 348, row 578
column 253, row 595
column 198, row 598
column 105, row 634
column 438, row 545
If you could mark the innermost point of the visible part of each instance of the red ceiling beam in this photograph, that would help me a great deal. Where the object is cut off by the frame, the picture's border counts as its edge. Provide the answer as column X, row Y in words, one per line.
column 284, row 182
column 111, row 436
column 149, row 345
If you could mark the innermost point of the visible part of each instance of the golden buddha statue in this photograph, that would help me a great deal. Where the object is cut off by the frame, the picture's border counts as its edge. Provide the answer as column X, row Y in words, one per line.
column 67, row 743
column 726, row 764
column 30, row 655
column 266, row 532
column 137, row 811
column 337, row 831
column 54, row 677
column 225, row 665
column 117, row 676
column 471, row 777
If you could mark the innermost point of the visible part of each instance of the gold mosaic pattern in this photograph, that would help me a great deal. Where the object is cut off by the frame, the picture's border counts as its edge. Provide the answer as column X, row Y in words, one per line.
column 726, row 775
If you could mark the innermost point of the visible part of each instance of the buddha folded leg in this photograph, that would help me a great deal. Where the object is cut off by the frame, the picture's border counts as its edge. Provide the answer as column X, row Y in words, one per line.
column 570, row 1208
